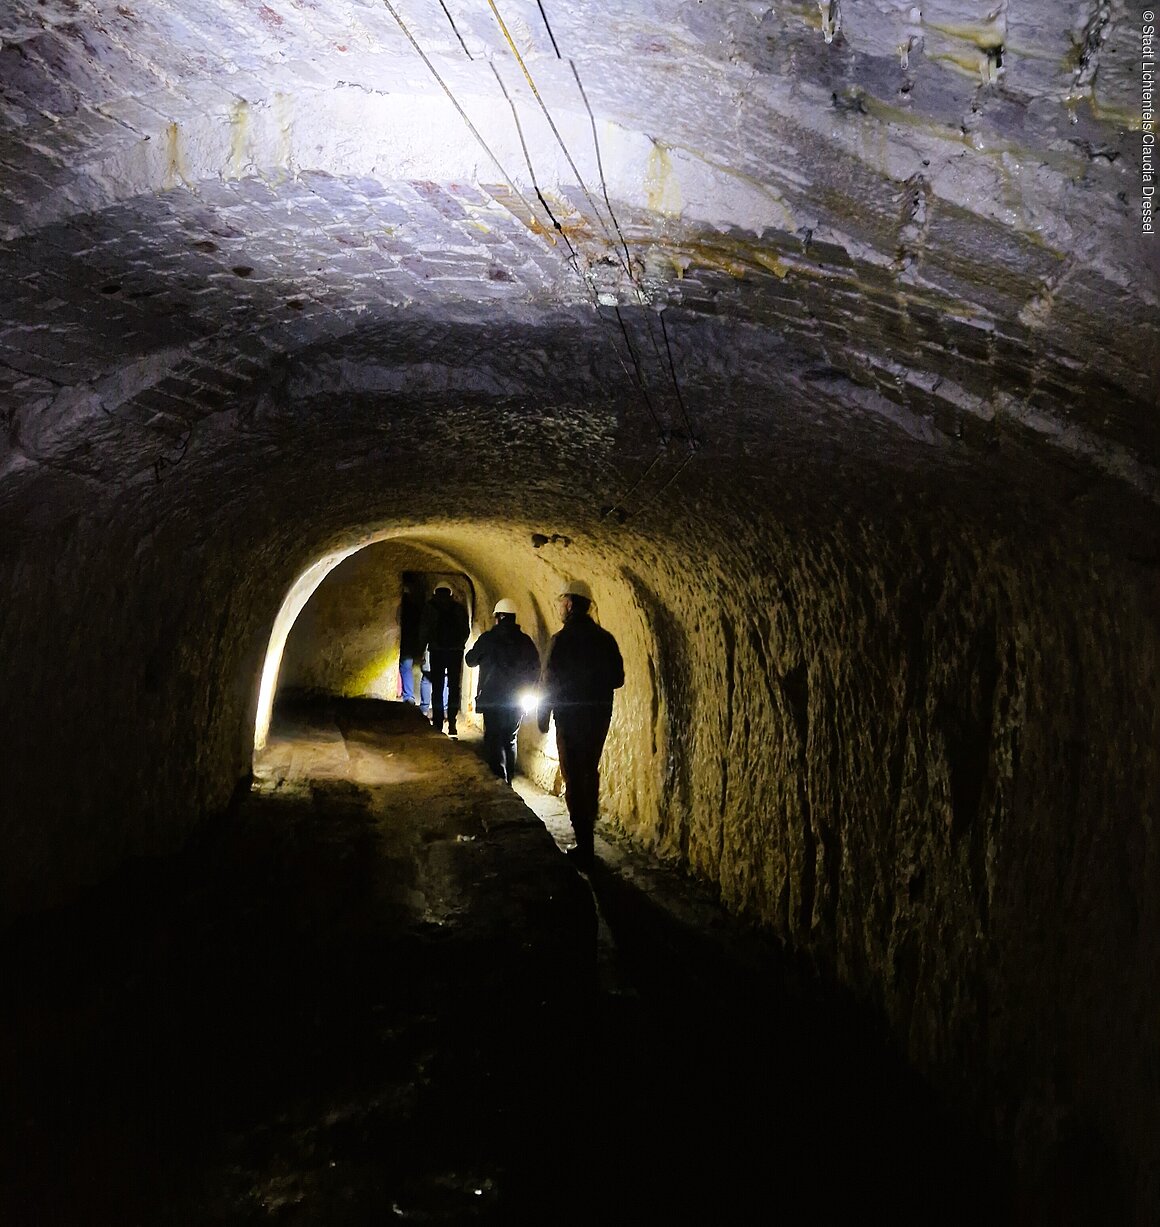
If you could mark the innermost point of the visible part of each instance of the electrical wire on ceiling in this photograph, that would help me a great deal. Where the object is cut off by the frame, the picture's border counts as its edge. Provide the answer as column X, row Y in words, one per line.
column 628, row 515
column 183, row 440
column 665, row 435
column 627, row 261
column 595, row 144
column 573, row 255
column 459, row 36
column 603, row 182
column 456, row 104
column 544, row 17
column 574, row 261
column 621, row 512
column 507, row 178
column 694, row 442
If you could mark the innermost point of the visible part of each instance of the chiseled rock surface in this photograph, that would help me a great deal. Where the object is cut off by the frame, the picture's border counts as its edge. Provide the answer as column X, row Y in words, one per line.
column 821, row 337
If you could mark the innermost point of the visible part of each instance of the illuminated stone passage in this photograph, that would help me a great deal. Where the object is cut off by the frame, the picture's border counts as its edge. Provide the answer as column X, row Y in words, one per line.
column 819, row 338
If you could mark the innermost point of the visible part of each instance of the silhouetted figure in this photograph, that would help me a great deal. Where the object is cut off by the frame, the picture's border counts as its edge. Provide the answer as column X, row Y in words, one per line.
column 584, row 667
column 410, row 639
column 508, row 665
column 445, row 630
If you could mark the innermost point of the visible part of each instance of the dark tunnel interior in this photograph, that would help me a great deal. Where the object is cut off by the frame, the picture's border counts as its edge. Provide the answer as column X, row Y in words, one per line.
column 820, row 339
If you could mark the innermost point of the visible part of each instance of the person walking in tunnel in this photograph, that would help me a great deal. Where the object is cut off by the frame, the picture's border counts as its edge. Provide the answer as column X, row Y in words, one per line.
column 445, row 630
column 508, row 664
column 410, row 647
column 583, row 668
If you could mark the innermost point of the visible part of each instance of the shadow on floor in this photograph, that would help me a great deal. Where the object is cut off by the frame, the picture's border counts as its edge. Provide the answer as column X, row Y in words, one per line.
column 268, row 1028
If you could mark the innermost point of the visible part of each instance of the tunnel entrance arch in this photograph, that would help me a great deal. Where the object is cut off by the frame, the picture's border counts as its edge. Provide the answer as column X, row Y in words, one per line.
column 489, row 560
column 301, row 590
column 425, row 558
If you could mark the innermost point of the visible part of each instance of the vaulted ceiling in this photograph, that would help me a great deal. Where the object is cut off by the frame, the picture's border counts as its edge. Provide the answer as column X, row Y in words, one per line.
column 914, row 225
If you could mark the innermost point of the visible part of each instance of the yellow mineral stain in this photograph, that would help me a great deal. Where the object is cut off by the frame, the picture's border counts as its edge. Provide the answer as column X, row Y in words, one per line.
column 771, row 261
column 971, row 65
column 525, row 211
column 284, row 122
column 662, row 190
column 986, row 36
column 808, row 14
column 1122, row 117
column 736, row 258
column 721, row 261
column 175, row 170
column 375, row 677
column 1037, row 313
column 538, row 228
column 239, row 160
column 784, row 219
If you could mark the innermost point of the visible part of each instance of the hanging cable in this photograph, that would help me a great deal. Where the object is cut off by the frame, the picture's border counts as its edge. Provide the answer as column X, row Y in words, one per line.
column 619, row 504
column 629, row 515
column 664, row 436
column 661, row 432
column 640, row 289
column 573, row 255
column 627, row 260
column 459, row 36
column 693, row 440
column 455, row 103
column 603, row 183
column 556, row 132
column 662, row 442
column 540, row 6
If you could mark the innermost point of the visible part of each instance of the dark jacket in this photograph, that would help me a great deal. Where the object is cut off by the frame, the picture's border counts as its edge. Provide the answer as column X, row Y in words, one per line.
column 584, row 667
column 445, row 624
column 508, row 663
column 411, row 642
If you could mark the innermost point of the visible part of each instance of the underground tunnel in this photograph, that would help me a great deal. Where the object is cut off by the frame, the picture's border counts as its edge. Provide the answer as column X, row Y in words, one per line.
column 819, row 338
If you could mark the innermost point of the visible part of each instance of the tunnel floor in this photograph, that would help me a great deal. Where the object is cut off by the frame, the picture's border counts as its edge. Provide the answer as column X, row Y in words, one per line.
column 375, row 991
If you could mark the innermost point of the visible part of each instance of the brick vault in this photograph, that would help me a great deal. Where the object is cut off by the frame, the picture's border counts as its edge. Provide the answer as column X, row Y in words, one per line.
column 821, row 337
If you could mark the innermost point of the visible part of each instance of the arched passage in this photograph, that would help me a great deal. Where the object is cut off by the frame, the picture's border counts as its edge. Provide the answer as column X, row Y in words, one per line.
column 497, row 560
column 839, row 380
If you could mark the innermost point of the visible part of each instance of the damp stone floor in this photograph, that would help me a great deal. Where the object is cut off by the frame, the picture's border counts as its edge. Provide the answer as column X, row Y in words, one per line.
column 375, row 991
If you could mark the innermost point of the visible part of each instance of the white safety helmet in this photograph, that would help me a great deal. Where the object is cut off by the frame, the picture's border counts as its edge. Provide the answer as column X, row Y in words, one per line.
column 577, row 587
column 504, row 606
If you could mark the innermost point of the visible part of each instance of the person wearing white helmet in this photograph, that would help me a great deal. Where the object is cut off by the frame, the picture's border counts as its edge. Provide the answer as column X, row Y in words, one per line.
column 508, row 664
column 583, row 668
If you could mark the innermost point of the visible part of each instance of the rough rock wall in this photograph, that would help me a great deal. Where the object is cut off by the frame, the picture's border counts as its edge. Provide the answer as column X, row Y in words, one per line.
column 914, row 736
column 917, row 739
column 131, row 641
column 923, row 748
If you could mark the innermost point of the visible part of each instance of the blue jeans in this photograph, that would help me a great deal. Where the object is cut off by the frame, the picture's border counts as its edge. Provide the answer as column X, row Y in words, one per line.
column 425, row 693
column 407, row 678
